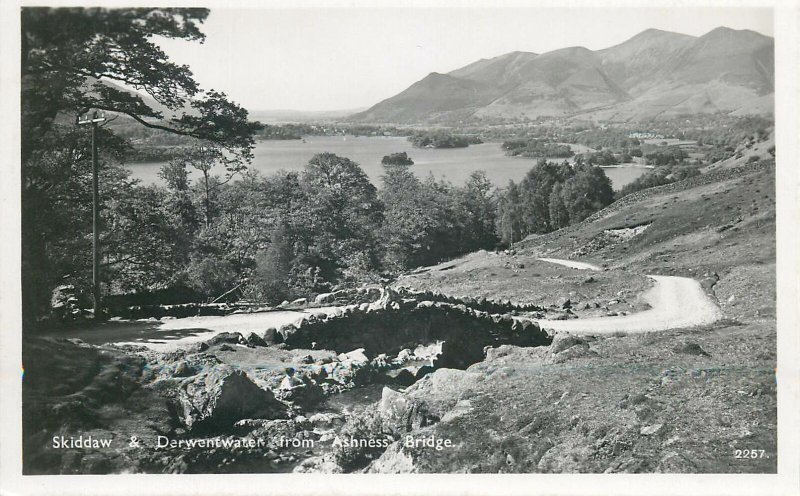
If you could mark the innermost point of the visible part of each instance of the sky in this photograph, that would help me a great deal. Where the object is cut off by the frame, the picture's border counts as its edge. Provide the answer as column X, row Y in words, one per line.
column 349, row 58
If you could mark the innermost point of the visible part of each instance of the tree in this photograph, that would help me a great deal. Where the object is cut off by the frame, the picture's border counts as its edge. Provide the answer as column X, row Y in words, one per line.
column 56, row 211
column 586, row 192
column 203, row 158
column 535, row 192
column 559, row 216
column 343, row 213
column 271, row 278
column 75, row 59
column 409, row 220
column 480, row 211
column 145, row 242
column 509, row 215
column 179, row 198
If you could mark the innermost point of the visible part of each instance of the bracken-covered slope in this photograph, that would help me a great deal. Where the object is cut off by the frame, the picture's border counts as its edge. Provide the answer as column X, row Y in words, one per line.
column 655, row 73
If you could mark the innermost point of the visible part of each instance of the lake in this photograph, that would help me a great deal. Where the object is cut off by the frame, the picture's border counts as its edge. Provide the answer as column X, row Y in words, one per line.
column 452, row 164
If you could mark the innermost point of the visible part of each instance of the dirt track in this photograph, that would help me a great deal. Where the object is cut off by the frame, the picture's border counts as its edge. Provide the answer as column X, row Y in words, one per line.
column 675, row 302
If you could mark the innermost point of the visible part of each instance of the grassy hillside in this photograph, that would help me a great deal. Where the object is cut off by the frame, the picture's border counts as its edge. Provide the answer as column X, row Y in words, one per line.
column 678, row 401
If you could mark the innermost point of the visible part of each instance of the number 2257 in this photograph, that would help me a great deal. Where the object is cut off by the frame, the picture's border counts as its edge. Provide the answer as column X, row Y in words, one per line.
column 748, row 453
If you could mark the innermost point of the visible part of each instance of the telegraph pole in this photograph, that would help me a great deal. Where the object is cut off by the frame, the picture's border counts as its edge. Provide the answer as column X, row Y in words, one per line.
column 94, row 118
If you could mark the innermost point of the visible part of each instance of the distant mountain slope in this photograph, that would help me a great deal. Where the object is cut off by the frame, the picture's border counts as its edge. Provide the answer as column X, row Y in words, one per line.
column 655, row 73
column 433, row 95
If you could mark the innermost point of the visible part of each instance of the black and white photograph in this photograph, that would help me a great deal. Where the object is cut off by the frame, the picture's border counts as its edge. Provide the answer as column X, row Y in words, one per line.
column 318, row 240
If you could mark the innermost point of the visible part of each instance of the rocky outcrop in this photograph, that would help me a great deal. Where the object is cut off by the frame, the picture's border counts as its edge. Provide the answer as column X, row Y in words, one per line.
column 427, row 402
column 220, row 396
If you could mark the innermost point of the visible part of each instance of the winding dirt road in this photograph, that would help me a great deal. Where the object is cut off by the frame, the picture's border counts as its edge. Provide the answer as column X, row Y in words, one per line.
column 675, row 302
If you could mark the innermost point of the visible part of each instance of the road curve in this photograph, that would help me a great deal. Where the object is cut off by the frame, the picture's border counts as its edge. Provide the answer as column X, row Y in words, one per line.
column 675, row 302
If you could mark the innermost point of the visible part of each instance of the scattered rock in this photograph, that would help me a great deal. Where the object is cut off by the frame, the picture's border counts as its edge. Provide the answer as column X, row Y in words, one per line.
column 226, row 337
column 182, row 369
column 304, row 359
column 564, row 340
column 709, row 281
column 691, row 348
column 325, row 420
column 272, row 336
column 300, row 302
column 255, row 340
column 674, row 462
column 651, row 429
column 356, row 356
column 198, row 347
column 581, row 350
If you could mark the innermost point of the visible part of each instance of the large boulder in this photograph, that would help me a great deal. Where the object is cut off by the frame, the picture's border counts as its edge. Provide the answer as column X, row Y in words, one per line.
column 324, row 299
column 272, row 336
column 401, row 414
column 563, row 340
column 442, row 389
column 356, row 356
column 220, row 396
column 255, row 340
column 427, row 401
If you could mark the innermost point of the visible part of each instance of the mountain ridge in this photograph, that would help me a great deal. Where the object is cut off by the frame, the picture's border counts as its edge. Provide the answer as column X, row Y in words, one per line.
column 654, row 73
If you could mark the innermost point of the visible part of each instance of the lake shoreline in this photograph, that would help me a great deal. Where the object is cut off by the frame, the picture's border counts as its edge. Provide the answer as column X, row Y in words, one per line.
column 451, row 164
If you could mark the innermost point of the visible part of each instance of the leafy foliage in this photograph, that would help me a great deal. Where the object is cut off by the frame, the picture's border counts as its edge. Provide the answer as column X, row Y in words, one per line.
column 76, row 59
column 550, row 197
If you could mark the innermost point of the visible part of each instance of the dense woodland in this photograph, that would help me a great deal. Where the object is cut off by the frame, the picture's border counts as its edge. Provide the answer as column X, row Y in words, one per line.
column 291, row 234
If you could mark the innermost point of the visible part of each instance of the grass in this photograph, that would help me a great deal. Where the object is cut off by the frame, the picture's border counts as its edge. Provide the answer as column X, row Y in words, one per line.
column 699, row 394
column 586, row 415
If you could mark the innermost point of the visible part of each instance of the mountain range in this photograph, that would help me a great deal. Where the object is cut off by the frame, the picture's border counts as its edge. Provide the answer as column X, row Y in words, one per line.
column 654, row 74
